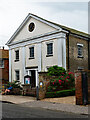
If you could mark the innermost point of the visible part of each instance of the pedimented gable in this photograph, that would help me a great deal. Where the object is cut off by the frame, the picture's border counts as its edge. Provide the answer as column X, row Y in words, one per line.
column 39, row 28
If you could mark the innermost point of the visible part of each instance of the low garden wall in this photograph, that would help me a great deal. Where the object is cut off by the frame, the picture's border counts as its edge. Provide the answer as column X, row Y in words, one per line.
column 27, row 90
column 82, row 87
column 44, row 83
column 44, row 79
column 89, row 87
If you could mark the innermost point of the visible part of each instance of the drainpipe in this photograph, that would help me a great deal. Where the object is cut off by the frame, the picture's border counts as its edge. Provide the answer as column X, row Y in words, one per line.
column 89, row 54
column 37, row 92
column 68, row 50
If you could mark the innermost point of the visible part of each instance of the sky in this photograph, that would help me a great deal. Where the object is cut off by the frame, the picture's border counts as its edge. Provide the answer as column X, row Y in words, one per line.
column 71, row 13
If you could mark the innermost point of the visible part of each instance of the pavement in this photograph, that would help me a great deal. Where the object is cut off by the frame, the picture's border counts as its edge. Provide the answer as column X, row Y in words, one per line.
column 66, row 104
column 65, row 100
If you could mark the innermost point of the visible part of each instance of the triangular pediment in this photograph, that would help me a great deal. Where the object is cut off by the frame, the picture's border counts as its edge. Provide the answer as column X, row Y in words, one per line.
column 32, row 26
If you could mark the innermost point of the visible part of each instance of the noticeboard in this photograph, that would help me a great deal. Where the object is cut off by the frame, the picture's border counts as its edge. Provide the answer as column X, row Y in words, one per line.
column 27, row 80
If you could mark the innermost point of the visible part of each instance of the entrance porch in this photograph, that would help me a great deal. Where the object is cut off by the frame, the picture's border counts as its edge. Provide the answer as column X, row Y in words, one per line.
column 30, row 82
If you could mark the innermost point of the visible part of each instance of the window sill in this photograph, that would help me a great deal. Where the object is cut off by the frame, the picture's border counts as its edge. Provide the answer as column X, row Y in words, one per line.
column 16, row 60
column 80, row 57
column 49, row 55
column 27, row 84
column 18, row 81
column 31, row 58
column 2, row 67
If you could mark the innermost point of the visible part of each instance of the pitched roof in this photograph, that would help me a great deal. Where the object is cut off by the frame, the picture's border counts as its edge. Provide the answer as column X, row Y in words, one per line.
column 58, row 26
column 71, row 30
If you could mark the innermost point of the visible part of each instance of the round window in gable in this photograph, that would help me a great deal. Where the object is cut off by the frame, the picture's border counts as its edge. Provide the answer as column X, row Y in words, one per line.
column 31, row 27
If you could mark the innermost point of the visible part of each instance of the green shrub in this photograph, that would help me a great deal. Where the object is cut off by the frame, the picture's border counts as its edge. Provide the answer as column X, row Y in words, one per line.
column 14, row 84
column 61, row 93
column 56, row 71
column 64, row 81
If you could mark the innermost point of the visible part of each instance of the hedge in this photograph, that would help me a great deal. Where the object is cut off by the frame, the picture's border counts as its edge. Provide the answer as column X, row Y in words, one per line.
column 62, row 93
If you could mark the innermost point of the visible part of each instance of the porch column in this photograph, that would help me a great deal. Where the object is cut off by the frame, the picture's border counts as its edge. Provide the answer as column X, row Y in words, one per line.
column 10, row 69
column 23, row 64
column 37, row 80
column 59, row 49
column 64, row 51
column 61, row 44
column 39, row 57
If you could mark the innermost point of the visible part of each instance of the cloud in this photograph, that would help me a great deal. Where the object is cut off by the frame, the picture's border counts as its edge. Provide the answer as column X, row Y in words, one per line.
column 3, row 40
column 65, row 6
column 77, row 20
column 13, row 12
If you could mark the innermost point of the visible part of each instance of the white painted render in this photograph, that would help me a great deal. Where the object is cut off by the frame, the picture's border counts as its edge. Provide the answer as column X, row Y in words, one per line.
column 31, row 62
column 59, row 51
column 40, row 60
column 40, row 28
column 10, row 67
column 17, row 65
column 40, row 50
column 23, row 63
column 52, row 60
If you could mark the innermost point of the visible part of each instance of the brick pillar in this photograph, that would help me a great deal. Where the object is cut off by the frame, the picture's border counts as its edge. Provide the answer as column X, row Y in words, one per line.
column 45, row 80
column 42, row 88
column 89, row 87
column 41, row 94
column 78, row 88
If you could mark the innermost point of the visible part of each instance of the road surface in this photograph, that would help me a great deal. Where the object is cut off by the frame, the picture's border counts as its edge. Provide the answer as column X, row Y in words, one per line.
column 18, row 111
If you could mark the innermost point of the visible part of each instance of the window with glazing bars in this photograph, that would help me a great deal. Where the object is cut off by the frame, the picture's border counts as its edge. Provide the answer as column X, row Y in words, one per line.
column 1, row 63
column 17, row 74
column 79, row 50
column 50, row 49
column 17, row 54
column 31, row 52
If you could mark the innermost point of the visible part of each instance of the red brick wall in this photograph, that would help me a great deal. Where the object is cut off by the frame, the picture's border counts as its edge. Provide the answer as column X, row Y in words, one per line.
column 4, row 53
column 4, row 72
column 78, row 87
column 4, row 76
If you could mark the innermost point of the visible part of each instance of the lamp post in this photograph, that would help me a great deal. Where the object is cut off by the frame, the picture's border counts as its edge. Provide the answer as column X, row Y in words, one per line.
column 37, row 93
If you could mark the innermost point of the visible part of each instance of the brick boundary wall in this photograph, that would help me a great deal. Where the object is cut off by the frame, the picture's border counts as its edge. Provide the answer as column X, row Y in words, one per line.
column 88, row 87
column 43, row 77
column 78, row 87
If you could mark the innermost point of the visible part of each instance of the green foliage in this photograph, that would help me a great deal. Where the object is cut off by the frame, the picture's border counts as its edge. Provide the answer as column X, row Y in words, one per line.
column 56, row 71
column 14, row 84
column 63, row 81
column 62, row 93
